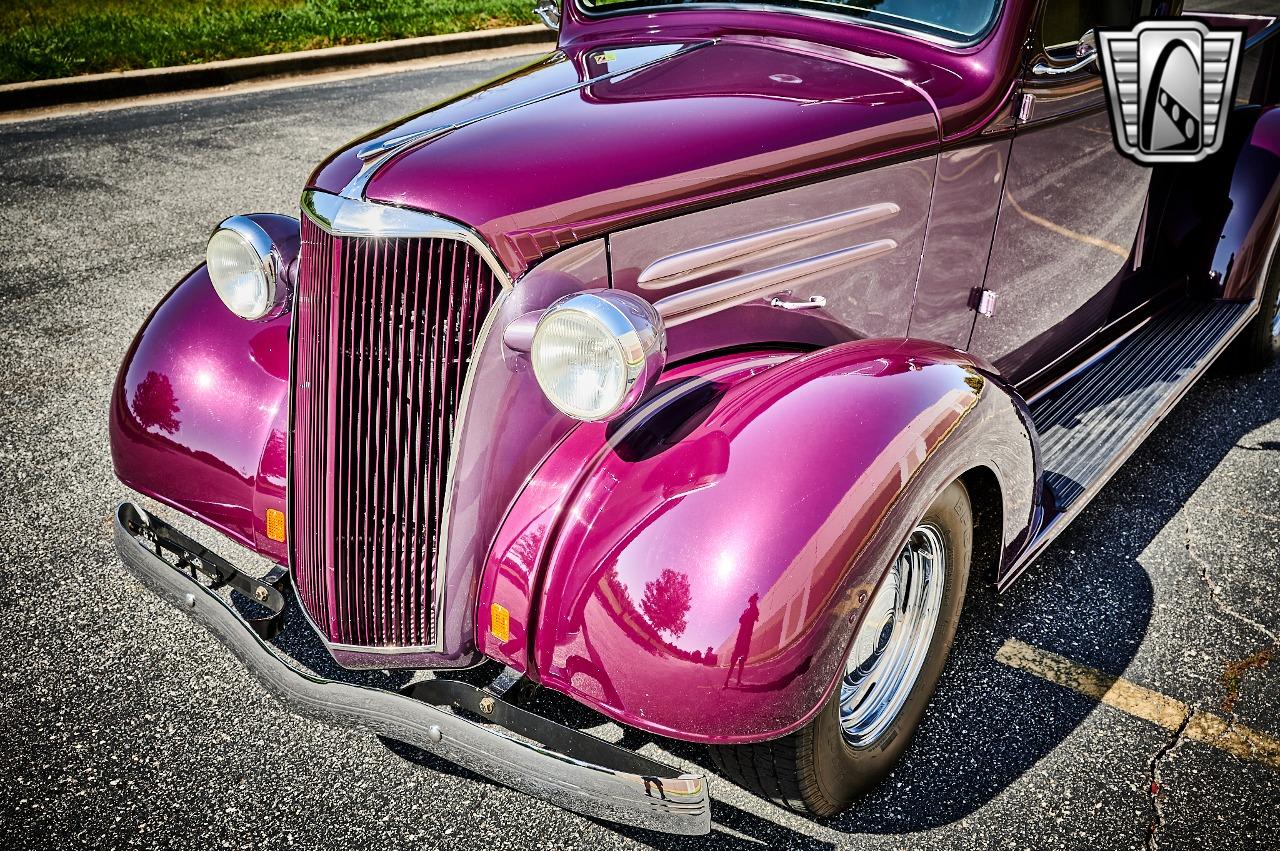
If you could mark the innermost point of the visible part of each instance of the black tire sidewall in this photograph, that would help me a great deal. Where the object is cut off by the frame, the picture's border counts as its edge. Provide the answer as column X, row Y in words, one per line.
column 844, row 772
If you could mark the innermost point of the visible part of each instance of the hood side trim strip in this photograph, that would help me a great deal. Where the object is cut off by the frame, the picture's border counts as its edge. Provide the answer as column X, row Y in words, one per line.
column 701, row 301
column 682, row 267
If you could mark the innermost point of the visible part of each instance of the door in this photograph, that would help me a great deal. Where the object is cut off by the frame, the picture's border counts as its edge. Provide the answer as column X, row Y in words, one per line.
column 1063, row 249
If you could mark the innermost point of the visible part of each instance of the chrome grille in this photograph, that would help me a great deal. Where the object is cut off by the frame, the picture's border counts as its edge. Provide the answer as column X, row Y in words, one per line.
column 384, row 333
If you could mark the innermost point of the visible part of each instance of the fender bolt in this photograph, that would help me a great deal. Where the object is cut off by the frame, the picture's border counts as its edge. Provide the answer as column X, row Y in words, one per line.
column 260, row 593
column 487, row 705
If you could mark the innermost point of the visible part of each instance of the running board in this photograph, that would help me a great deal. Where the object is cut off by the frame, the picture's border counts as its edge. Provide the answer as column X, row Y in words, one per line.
column 1090, row 425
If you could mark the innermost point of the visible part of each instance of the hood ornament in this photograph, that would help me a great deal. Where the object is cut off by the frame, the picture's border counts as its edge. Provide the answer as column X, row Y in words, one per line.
column 373, row 154
column 382, row 147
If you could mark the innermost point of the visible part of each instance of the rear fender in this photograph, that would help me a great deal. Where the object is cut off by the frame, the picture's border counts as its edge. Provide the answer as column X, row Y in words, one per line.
column 199, row 411
column 1255, row 208
column 1219, row 214
column 634, row 553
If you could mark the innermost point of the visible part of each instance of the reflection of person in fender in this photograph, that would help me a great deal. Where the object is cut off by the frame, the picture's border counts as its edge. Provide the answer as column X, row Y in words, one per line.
column 648, row 781
column 746, row 626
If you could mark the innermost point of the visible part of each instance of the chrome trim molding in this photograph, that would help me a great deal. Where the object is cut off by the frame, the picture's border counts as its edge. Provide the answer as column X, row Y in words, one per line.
column 687, row 265
column 702, row 301
column 1086, row 54
column 374, row 150
column 343, row 217
column 346, row 217
column 667, row 800
column 446, row 519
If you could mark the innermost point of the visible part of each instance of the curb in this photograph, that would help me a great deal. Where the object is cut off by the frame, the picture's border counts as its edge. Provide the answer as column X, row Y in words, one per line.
column 151, row 81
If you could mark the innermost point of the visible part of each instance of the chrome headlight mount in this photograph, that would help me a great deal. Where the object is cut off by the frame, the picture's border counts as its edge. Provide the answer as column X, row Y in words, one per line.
column 597, row 353
column 248, row 269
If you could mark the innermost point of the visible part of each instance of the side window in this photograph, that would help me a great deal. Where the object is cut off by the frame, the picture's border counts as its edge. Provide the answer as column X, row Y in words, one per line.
column 1065, row 21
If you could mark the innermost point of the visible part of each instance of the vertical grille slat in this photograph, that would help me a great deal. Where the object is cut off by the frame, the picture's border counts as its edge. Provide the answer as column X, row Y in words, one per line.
column 422, row 453
column 384, row 334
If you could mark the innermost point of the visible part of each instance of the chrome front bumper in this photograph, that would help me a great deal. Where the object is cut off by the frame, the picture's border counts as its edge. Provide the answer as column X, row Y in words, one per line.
column 583, row 773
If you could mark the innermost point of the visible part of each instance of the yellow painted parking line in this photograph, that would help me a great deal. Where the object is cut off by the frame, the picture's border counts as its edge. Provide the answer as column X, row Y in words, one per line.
column 1132, row 699
column 1097, row 242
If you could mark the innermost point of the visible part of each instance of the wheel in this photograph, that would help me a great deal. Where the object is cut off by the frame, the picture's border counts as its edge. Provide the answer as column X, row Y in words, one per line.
column 893, row 666
column 1259, row 342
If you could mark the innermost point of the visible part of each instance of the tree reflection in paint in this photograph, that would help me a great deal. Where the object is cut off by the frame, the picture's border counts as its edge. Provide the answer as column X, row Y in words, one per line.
column 155, row 404
column 666, row 602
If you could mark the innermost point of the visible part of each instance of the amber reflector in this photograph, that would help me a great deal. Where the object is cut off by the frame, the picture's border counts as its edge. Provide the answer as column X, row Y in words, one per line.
column 275, row 525
column 499, row 622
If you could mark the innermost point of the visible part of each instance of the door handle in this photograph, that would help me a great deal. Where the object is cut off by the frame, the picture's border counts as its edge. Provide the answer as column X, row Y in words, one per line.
column 814, row 303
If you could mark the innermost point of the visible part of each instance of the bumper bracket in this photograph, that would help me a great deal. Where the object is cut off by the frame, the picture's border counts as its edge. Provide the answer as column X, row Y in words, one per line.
column 529, row 753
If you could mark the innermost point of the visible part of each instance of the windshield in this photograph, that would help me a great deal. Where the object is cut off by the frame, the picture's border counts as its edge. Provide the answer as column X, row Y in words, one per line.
column 955, row 20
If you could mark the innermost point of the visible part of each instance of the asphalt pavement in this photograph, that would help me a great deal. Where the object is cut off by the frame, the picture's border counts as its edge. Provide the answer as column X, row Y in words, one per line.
column 123, row 724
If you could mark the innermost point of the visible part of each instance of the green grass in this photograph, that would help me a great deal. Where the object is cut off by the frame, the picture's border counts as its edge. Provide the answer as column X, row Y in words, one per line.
column 40, row 39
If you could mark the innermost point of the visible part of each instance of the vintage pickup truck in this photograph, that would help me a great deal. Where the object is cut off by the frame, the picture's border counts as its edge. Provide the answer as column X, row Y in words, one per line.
column 691, row 371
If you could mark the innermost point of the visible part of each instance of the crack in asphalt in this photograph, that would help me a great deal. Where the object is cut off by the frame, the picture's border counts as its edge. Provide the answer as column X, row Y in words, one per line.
column 1245, row 510
column 1235, row 672
column 1155, row 787
column 1207, row 579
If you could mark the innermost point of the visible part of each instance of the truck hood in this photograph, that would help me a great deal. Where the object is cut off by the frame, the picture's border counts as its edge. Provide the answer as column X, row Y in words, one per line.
column 581, row 143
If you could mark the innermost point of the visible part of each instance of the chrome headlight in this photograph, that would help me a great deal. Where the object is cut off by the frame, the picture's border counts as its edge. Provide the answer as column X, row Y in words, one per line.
column 246, row 269
column 595, row 354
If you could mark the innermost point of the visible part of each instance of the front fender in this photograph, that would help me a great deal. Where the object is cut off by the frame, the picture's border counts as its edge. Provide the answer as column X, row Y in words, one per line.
column 790, row 479
column 199, row 411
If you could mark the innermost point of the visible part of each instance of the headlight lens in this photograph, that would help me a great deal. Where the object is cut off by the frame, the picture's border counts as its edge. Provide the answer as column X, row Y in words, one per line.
column 596, row 354
column 245, row 268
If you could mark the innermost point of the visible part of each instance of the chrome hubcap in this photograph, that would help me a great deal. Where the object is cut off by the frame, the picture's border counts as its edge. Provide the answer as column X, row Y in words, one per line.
column 894, row 638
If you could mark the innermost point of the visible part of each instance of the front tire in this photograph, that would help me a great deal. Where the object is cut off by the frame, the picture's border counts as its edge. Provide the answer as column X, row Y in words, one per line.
column 893, row 667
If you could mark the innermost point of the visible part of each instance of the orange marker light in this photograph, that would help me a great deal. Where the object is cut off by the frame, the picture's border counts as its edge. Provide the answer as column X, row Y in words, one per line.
column 499, row 622
column 275, row 525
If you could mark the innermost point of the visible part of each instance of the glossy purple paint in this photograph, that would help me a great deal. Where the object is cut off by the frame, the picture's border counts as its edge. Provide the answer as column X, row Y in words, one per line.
column 625, row 552
column 868, row 299
column 1060, row 262
column 641, row 542
column 706, row 125
column 739, row 129
column 199, row 412
column 1241, row 250
column 515, row 559
column 966, row 85
column 966, row 199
